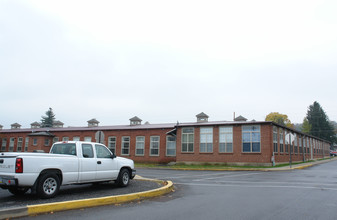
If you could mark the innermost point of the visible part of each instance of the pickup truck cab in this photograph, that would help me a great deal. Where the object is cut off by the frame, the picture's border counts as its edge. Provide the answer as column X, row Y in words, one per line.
column 71, row 162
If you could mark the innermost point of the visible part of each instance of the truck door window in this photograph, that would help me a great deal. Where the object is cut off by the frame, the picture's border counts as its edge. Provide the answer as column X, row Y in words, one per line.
column 102, row 151
column 87, row 151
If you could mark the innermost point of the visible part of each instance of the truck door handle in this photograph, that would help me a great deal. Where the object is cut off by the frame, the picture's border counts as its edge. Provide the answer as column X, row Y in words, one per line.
column 99, row 162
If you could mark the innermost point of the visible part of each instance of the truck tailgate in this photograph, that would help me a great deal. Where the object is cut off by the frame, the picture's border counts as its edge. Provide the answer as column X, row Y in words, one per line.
column 7, row 164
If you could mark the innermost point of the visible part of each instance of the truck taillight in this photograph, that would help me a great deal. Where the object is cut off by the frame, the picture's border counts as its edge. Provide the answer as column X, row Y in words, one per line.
column 19, row 165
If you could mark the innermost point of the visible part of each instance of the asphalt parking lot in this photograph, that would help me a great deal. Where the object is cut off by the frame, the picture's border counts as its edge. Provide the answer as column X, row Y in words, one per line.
column 75, row 192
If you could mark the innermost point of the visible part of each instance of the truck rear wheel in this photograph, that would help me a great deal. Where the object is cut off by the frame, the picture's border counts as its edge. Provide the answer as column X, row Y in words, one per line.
column 123, row 178
column 18, row 191
column 48, row 185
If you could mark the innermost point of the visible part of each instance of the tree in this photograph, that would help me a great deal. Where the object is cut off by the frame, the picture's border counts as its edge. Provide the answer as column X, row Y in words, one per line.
column 48, row 120
column 306, row 126
column 279, row 119
column 320, row 124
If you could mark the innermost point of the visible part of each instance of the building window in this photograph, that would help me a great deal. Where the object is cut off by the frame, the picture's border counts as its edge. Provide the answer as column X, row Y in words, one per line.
column 87, row 139
column 55, row 139
column 226, row 139
column 275, row 134
column 112, row 144
column 295, row 144
column 26, row 143
column 281, row 140
column 76, row 138
column 11, row 144
column 140, row 145
column 34, row 141
column 46, row 142
column 20, row 142
column 170, row 145
column 286, row 141
column 251, row 138
column 206, row 140
column 187, row 143
column 65, row 139
column 125, row 145
column 4, row 144
column 154, row 146
column 300, row 144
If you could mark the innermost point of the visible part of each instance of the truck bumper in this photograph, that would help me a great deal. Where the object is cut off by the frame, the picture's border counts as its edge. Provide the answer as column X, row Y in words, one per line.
column 7, row 182
column 133, row 173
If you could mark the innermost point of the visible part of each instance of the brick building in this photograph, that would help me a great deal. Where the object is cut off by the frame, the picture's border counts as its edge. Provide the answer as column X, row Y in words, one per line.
column 231, row 142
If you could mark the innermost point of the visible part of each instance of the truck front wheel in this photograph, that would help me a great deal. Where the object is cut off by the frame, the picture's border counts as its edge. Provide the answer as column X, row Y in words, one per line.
column 48, row 185
column 123, row 178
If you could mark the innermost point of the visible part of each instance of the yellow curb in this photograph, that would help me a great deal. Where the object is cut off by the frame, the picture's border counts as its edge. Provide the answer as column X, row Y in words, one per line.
column 108, row 200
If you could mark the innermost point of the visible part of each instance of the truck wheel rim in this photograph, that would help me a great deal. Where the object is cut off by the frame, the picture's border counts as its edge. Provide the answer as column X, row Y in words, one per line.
column 125, row 178
column 49, row 186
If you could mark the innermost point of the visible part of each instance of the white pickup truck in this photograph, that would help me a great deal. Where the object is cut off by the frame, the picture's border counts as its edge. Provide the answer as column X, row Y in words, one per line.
column 71, row 162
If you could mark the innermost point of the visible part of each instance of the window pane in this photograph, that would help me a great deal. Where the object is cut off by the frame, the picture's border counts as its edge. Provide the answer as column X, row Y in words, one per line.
column 246, row 147
column 255, row 137
column 256, row 147
column 246, row 137
column 230, row 147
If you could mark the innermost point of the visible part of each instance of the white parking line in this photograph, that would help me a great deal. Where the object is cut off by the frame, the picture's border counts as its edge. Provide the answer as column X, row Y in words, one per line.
column 222, row 176
column 256, row 186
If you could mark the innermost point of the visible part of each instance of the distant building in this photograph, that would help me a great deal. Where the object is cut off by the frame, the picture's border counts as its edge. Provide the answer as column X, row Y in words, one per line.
column 230, row 142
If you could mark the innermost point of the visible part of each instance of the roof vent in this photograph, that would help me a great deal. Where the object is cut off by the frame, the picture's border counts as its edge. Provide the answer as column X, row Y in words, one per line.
column 93, row 123
column 58, row 124
column 15, row 126
column 35, row 125
column 135, row 121
column 240, row 118
column 202, row 117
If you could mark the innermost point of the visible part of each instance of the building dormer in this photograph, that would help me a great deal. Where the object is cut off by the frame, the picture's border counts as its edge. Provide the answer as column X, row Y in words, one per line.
column 15, row 126
column 35, row 125
column 202, row 117
column 58, row 124
column 135, row 121
column 240, row 118
column 1, row 127
column 93, row 123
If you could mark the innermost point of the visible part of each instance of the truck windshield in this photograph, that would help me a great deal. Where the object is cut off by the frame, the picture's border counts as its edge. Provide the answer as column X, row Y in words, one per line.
column 64, row 148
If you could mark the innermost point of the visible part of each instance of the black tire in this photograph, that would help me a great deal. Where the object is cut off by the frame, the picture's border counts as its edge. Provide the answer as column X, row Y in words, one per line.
column 18, row 191
column 48, row 185
column 123, row 178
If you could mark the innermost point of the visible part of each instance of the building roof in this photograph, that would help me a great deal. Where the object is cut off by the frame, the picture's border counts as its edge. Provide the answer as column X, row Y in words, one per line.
column 35, row 124
column 240, row 118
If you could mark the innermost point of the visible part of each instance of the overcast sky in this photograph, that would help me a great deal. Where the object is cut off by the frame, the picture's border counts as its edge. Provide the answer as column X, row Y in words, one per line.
column 166, row 61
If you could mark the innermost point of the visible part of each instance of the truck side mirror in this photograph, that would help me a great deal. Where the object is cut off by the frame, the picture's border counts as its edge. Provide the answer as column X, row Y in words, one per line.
column 113, row 156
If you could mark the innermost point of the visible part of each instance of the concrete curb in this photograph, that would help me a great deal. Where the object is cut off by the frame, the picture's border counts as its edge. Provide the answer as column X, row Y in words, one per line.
column 86, row 203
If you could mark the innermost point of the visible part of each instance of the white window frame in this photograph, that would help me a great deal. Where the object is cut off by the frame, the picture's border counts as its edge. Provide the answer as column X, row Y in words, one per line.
column 76, row 138
column 189, row 135
column 3, row 144
column 56, row 139
column 154, row 145
column 11, row 144
column 65, row 138
column 206, row 139
column 112, row 140
column 226, row 138
column 87, row 139
column 26, row 143
column 171, row 145
column 140, row 146
column 275, row 139
column 251, row 141
column 19, row 144
column 34, row 141
column 125, row 145
column 46, row 142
